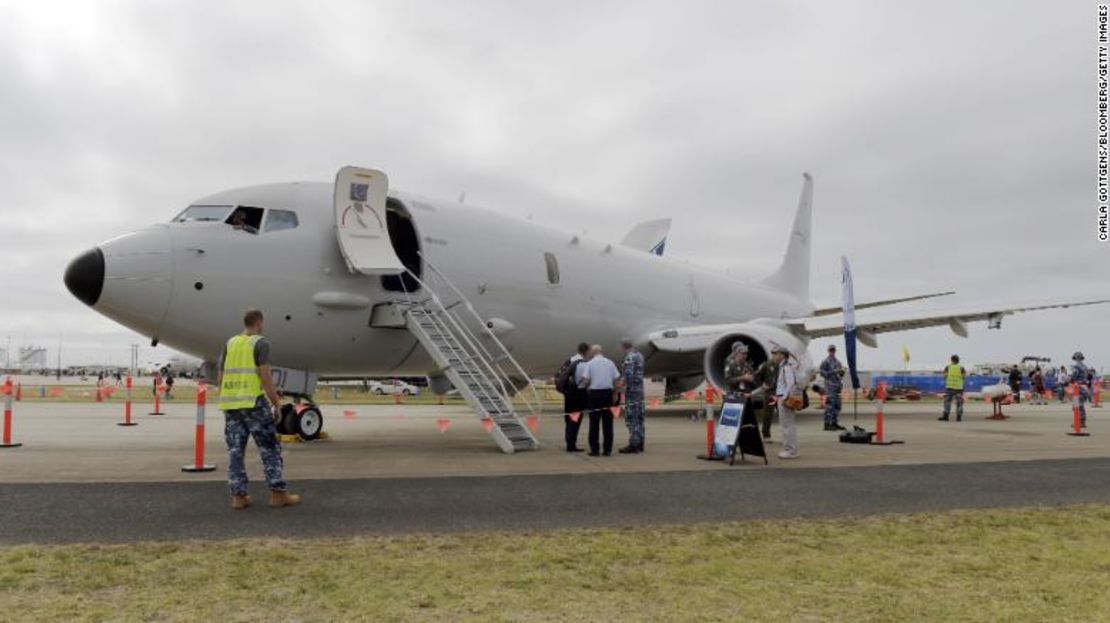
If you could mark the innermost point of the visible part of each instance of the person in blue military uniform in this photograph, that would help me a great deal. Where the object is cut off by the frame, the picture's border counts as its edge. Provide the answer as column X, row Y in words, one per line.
column 632, row 379
column 1082, row 377
column 833, row 373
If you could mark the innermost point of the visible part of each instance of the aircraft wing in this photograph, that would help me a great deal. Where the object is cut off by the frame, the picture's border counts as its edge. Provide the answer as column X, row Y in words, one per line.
column 866, row 330
column 650, row 236
column 828, row 311
column 696, row 339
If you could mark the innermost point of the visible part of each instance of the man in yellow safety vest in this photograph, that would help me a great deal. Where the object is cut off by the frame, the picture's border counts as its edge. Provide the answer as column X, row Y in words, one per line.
column 954, row 375
column 246, row 383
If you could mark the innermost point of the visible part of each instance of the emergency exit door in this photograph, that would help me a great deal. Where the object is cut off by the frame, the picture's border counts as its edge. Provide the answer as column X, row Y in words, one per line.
column 360, row 222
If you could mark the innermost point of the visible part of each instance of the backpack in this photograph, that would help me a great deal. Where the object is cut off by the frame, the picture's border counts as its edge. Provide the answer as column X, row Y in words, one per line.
column 856, row 435
column 566, row 373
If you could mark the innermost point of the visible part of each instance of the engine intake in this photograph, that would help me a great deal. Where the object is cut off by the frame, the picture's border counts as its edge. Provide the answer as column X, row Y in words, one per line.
column 759, row 340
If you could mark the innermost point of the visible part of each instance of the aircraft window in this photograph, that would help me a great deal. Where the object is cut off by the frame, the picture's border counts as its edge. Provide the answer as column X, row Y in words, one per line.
column 552, row 268
column 246, row 218
column 200, row 214
column 281, row 219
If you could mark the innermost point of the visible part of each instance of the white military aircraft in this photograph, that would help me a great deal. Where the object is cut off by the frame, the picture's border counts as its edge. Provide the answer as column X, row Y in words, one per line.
column 357, row 279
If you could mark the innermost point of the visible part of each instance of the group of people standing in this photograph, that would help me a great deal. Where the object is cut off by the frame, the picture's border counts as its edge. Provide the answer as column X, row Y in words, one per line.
column 1081, row 375
column 774, row 386
column 591, row 383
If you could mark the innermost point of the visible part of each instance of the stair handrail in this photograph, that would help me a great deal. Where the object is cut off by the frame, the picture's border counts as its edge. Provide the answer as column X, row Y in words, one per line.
column 535, row 405
column 470, row 341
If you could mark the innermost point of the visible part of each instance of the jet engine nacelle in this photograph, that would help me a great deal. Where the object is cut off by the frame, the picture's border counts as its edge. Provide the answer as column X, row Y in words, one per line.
column 758, row 338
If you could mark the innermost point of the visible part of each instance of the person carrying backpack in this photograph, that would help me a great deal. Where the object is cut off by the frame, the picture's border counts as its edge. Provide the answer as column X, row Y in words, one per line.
column 574, row 397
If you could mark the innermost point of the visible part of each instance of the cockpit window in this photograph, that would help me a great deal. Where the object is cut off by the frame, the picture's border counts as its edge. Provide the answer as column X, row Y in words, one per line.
column 246, row 218
column 200, row 214
column 278, row 220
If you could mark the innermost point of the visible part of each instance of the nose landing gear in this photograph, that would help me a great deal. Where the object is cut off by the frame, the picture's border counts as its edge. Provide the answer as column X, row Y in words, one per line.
column 302, row 418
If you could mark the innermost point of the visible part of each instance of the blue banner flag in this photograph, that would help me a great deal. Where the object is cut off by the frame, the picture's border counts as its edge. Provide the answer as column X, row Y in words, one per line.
column 849, row 310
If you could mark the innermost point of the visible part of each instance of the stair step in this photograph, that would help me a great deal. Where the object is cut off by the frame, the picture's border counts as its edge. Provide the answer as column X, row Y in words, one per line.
column 474, row 372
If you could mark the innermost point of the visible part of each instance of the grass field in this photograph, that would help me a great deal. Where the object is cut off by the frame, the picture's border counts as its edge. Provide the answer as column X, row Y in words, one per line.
column 1001, row 565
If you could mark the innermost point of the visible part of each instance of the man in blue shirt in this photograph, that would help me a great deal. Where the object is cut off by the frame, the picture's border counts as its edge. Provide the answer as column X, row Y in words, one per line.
column 599, row 376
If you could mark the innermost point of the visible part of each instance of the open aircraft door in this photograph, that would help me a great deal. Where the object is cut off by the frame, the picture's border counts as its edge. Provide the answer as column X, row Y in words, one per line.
column 360, row 222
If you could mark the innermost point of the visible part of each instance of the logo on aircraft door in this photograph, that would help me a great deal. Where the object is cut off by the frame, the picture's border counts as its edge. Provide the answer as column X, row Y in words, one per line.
column 359, row 209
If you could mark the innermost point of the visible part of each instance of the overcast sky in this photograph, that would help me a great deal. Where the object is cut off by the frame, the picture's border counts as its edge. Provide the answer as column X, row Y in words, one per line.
column 953, row 145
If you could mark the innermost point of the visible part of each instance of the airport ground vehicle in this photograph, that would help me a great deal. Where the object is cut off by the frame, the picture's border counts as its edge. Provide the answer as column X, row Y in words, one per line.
column 392, row 387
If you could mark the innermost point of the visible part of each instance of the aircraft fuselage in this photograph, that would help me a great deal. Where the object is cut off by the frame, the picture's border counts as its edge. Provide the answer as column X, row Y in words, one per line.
column 187, row 284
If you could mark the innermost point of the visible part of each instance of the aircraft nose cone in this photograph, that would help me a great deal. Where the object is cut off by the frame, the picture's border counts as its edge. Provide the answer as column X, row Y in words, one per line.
column 84, row 277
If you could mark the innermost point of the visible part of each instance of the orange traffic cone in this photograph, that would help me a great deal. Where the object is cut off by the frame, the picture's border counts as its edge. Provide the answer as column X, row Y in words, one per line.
column 880, row 421
column 1076, row 419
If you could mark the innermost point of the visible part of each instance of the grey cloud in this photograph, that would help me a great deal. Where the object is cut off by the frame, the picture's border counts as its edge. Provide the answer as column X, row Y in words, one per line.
column 951, row 144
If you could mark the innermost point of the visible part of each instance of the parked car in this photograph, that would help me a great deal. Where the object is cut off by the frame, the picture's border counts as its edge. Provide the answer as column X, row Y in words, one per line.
column 393, row 387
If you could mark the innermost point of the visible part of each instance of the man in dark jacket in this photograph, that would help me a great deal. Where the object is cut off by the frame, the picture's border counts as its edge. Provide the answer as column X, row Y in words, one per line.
column 574, row 397
column 1015, row 382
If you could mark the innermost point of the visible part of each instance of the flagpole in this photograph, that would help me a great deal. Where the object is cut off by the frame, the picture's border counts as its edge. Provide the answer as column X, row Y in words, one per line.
column 848, row 308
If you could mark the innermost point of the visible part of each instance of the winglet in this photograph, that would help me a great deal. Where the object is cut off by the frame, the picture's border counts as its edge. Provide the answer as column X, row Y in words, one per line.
column 793, row 275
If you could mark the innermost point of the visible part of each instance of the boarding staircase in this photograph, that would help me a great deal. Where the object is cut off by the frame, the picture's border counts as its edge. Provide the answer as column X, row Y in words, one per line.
column 468, row 353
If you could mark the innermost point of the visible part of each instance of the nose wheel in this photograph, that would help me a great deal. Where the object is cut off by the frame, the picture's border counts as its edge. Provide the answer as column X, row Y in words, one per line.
column 302, row 419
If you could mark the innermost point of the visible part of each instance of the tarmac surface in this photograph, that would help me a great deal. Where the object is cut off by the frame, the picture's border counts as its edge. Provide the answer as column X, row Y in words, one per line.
column 119, row 512
column 389, row 470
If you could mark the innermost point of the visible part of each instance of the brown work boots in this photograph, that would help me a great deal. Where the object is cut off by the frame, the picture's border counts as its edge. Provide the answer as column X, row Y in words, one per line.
column 279, row 499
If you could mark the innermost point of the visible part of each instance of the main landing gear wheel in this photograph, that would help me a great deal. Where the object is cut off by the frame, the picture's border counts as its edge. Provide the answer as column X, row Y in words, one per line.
column 305, row 421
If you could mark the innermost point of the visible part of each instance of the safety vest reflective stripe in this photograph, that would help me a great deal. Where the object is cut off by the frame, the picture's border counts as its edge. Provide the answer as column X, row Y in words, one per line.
column 241, row 384
column 954, row 376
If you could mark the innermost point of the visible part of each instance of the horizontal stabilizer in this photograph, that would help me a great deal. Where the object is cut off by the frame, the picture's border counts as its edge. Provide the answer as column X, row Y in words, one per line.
column 828, row 311
column 650, row 236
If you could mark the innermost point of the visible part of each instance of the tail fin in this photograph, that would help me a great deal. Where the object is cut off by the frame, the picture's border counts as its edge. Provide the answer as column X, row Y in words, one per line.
column 650, row 236
column 793, row 275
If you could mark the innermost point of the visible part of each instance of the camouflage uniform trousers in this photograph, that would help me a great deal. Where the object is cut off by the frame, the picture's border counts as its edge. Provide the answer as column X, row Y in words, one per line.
column 239, row 426
column 958, row 395
column 832, row 406
column 634, row 418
